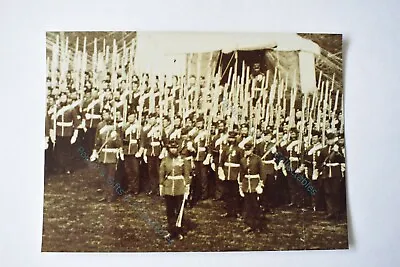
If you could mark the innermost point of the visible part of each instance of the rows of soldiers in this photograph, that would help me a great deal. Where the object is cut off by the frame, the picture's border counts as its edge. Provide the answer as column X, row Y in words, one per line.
column 184, row 158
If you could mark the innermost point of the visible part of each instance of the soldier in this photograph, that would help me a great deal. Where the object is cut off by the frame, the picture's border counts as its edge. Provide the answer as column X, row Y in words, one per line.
column 63, row 133
column 108, row 150
column 228, row 172
column 150, row 143
column 293, row 155
column 268, row 197
column 132, row 133
column 250, row 186
column 329, row 161
column 217, row 144
column 174, row 186
column 312, row 170
column 92, row 117
column 200, row 151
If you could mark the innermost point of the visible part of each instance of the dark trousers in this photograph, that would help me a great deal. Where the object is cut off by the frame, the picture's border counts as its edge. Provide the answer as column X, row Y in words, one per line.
column 200, row 181
column 231, row 197
column 63, row 153
column 49, row 160
column 252, row 212
column 212, row 182
column 132, row 173
column 173, row 206
column 295, row 191
column 153, row 171
column 267, row 198
column 318, row 200
column 343, row 206
column 112, row 186
column 89, row 139
column 331, row 187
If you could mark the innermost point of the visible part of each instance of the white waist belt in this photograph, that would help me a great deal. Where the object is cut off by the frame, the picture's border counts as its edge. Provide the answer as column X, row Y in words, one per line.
column 111, row 150
column 133, row 141
column 176, row 177
column 251, row 176
column 269, row 161
column 230, row 164
column 332, row 164
column 294, row 159
column 64, row 124
column 155, row 143
column 93, row 116
column 202, row 149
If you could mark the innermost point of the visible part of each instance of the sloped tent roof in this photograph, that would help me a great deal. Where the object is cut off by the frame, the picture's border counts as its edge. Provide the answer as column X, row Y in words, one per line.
column 163, row 52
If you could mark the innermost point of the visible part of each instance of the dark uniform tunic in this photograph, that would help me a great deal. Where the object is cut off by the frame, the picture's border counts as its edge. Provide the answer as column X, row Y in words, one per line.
column 230, row 163
column 330, row 163
column 250, row 178
column 64, row 123
column 131, row 141
column 173, row 178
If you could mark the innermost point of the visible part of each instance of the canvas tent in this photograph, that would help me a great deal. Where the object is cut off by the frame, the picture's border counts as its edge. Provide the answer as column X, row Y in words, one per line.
column 169, row 53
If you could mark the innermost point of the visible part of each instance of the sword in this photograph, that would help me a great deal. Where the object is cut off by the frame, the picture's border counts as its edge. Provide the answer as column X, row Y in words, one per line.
column 180, row 216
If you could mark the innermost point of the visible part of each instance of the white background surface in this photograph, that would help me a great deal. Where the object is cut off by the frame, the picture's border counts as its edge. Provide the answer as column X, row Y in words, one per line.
column 371, row 34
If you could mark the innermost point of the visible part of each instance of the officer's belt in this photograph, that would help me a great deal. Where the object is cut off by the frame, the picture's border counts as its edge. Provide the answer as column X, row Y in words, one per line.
column 111, row 150
column 252, row 176
column 231, row 164
column 93, row 116
column 175, row 177
column 294, row 159
column 269, row 161
column 155, row 143
column 133, row 141
column 64, row 124
column 332, row 164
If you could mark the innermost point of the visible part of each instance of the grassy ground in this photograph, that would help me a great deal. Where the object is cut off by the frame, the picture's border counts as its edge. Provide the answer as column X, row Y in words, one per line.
column 75, row 220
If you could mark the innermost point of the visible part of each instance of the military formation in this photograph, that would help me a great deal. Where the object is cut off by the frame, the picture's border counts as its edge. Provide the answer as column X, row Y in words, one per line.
column 192, row 139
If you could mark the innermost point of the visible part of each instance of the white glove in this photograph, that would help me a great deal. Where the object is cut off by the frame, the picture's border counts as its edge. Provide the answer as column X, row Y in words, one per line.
column 73, row 139
column 190, row 146
column 221, row 174
column 259, row 188
column 335, row 148
column 94, row 155
column 343, row 167
column 161, row 190
column 163, row 153
column 138, row 154
column 52, row 136
column 241, row 190
column 121, row 156
column 145, row 158
column 315, row 175
column 207, row 160
column 187, row 192
column 46, row 146
column 213, row 166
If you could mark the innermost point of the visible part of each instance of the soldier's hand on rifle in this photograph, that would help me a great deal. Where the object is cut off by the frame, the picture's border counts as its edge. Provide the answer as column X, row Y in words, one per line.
column 241, row 190
column 52, row 136
column 221, row 174
column 213, row 166
column 335, row 148
column 259, row 188
column 74, row 136
column 187, row 192
column 94, row 155
column 207, row 159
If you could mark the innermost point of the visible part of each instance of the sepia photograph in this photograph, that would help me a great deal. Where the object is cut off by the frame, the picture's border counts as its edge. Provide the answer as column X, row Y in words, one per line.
column 194, row 142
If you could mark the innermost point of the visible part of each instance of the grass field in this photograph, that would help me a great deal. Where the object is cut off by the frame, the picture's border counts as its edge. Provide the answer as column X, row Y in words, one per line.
column 75, row 220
